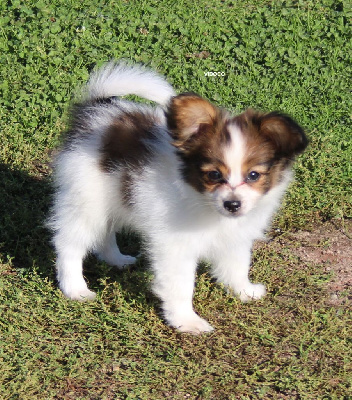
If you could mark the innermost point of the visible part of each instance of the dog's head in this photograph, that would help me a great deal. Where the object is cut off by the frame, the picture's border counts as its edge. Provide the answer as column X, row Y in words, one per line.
column 233, row 160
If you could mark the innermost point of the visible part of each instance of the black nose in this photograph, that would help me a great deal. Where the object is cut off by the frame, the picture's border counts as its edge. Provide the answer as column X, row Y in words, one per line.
column 232, row 206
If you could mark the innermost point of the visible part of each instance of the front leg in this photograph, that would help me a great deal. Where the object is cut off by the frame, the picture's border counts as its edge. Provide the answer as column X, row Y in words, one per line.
column 174, row 284
column 231, row 267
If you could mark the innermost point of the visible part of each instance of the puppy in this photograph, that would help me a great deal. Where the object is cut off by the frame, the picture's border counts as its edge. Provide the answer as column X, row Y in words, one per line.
column 195, row 181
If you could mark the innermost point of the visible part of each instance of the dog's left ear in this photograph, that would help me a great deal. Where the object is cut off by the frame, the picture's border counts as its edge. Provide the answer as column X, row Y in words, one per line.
column 189, row 115
column 287, row 136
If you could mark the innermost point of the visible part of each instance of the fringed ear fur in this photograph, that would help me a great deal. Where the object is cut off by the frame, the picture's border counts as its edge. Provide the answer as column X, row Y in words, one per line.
column 187, row 115
column 193, row 120
column 287, row 136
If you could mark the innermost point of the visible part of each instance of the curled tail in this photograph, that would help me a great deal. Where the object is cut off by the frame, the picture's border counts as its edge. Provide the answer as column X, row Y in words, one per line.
column 120, row 79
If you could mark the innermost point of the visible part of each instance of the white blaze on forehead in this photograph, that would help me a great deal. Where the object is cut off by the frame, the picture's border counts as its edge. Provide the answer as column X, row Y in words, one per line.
column 234, row 155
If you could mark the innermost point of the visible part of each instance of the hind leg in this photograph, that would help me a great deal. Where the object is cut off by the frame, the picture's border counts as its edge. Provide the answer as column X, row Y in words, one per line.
column 110, row 253
column 75, row 236
column 70, row 274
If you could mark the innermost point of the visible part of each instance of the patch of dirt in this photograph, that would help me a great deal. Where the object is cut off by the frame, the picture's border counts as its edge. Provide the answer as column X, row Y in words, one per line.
column 330, row 245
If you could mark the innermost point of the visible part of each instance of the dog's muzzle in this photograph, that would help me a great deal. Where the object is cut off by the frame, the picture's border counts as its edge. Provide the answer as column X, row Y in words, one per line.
column 232, row 206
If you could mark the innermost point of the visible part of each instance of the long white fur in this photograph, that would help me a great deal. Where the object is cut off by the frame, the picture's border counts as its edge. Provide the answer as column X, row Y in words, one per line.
column 122, row 79
column 181, row 225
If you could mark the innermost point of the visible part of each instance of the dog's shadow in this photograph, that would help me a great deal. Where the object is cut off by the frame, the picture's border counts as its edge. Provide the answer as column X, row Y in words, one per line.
column 25, row 242
column 24, row 204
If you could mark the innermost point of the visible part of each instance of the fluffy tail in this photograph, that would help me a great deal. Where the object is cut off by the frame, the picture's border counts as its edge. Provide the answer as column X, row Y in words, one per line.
column 120, row 79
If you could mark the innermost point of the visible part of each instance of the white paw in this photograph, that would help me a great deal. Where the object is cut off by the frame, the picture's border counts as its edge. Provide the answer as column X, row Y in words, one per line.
column 251, row 292
column 191, row 324
column 126, row 260
column 81, row 294
column 118, row 260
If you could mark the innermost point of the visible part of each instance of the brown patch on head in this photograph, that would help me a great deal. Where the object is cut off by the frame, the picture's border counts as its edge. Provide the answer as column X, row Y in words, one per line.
column 124, row 147
column 272, row 142
column 199, row 134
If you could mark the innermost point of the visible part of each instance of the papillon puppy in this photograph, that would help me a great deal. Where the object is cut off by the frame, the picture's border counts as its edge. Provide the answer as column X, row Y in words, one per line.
column 195, row 181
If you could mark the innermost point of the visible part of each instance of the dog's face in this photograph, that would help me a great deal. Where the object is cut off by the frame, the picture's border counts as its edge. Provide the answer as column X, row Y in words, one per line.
column 234, row 161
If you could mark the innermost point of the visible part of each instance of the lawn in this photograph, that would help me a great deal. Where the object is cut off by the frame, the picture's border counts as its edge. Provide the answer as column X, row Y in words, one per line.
column 292, row 56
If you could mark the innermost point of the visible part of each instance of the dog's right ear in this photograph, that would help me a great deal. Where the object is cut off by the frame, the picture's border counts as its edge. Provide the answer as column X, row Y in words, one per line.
column 187, row 116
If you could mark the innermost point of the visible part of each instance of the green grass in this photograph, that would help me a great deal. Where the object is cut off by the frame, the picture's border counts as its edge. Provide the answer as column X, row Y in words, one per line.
column 293, row 56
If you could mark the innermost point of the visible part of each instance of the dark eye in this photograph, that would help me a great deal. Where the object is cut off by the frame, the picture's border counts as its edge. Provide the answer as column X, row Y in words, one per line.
column 253, row 176
column 214, row 176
